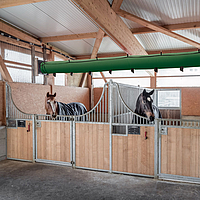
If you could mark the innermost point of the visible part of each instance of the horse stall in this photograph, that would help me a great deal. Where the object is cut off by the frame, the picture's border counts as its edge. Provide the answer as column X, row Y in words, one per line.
column 110, row 137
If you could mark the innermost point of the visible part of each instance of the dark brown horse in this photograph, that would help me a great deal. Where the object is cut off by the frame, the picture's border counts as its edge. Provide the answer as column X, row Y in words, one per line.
column 55, row 108
column 145, row 106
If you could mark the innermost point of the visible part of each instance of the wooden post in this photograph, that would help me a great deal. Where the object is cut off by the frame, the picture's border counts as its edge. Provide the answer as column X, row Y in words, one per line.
column 33, row 63
column 50, row 79
column 153, row 81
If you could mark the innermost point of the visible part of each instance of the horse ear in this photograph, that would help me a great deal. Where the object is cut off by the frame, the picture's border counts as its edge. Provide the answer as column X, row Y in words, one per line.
column 150, row 93
column 47, row 94
column 144, row 92
column 54, row 94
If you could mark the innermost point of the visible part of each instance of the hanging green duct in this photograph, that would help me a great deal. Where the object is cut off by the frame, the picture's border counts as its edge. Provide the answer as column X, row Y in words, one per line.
column 177, row 60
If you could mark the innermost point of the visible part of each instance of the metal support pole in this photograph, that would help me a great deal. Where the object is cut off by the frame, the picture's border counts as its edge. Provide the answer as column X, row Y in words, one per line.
column 156, row 149
column 34, row 137
column 110, row 121
column 74, row 143
column 33, row 63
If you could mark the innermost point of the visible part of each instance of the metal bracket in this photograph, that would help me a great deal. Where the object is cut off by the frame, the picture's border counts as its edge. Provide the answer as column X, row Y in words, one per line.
column 163, row 130
column 38, row 124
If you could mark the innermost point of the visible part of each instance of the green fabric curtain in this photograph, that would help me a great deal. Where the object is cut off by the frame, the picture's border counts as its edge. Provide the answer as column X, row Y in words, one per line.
column 191, row 59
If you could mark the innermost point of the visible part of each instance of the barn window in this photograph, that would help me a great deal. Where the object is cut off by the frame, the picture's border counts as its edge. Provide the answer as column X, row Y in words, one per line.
column 168, row 98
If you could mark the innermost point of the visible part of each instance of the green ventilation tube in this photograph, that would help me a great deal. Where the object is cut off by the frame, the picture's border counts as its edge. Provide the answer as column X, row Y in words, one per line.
column 177, row 60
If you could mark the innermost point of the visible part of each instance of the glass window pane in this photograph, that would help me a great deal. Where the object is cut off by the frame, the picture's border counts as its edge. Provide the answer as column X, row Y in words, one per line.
column 170, row 98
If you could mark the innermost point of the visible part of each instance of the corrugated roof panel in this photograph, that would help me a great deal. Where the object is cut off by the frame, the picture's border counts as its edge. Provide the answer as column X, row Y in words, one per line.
column 107, row 45
column 159, row 41
column 163, row 12
column 68, row 15
column 193, row 34
column 76, row 47
column 49, row 18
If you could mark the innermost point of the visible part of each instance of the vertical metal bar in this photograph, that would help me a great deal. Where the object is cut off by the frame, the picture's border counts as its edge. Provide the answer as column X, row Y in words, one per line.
column 100, row 112
column 156, row 149
column 106, row 102
column 74, row 143
column 103, row 111
column 34, row 138
column 110, row 122
column 71, row 141
column 33, row 63
column 97, row 112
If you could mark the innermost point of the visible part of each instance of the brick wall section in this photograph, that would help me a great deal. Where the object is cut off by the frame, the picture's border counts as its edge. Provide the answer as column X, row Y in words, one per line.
column 190, row 101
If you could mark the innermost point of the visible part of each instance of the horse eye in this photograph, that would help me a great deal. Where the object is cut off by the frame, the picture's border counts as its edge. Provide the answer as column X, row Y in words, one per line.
column 144, row 101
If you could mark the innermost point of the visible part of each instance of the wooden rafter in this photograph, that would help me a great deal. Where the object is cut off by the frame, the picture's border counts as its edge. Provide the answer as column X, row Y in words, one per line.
column 116, row 4
column 4, row 72
column 99, row 38
column 69, row 37
column 10, row 3
column 171, row 27
column 135, row 31
column 104, row 16
column 157, row 28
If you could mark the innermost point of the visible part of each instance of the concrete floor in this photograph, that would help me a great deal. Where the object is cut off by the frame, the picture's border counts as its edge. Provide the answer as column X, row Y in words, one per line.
column 21, row 180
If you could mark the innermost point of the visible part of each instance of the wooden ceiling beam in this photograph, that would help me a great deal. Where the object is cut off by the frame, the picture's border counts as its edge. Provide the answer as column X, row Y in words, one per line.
column 135, row 31
column 104, row 16
column 10, row 3
column 157, row 28
column 4, row 71
column 81, row 36
column 99, row 38
column 171, row 27
column 116, row 4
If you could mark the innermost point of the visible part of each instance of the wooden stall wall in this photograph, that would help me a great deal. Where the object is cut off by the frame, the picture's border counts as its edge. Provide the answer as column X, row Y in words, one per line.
column 2, row 104
column 30, row 98
column 92, row 145
column 53, row 141
column 180, row 152
column 20, row 142
column 134, row 153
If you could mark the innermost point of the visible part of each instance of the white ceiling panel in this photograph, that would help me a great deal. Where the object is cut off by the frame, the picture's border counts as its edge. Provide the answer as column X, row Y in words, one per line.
column 159, row 41
column 163, row 11
column 49, row 18
column 76, row 47
column 107, row 45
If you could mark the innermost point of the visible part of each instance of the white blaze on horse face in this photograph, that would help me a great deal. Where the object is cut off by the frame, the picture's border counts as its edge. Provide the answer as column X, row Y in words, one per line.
column 53, row 106
column 148, row 99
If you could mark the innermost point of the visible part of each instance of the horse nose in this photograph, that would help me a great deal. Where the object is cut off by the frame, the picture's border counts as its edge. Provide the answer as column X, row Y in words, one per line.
column 152, row 118
column 53, row 115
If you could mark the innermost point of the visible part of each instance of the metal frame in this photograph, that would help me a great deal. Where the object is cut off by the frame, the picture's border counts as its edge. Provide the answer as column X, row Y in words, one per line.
column 95, row 116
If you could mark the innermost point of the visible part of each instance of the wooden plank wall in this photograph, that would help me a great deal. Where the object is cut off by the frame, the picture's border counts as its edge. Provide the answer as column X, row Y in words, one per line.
column 53, row 141
column 92, row 145
column 20, row 142
column 180, row 152
column 134, row 154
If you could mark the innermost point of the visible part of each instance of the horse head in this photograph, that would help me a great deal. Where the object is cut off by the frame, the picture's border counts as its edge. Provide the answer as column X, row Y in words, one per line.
column 144, row 105
column 51, row 105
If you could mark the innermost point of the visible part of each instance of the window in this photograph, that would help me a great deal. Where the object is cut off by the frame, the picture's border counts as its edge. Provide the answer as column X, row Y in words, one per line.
column 169, row 98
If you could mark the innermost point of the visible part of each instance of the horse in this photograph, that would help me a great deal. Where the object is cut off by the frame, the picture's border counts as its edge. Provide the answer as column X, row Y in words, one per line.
column 146, row 108
column 55, row 108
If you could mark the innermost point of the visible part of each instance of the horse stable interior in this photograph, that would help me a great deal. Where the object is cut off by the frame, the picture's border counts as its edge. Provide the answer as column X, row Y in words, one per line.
column 110, row 137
